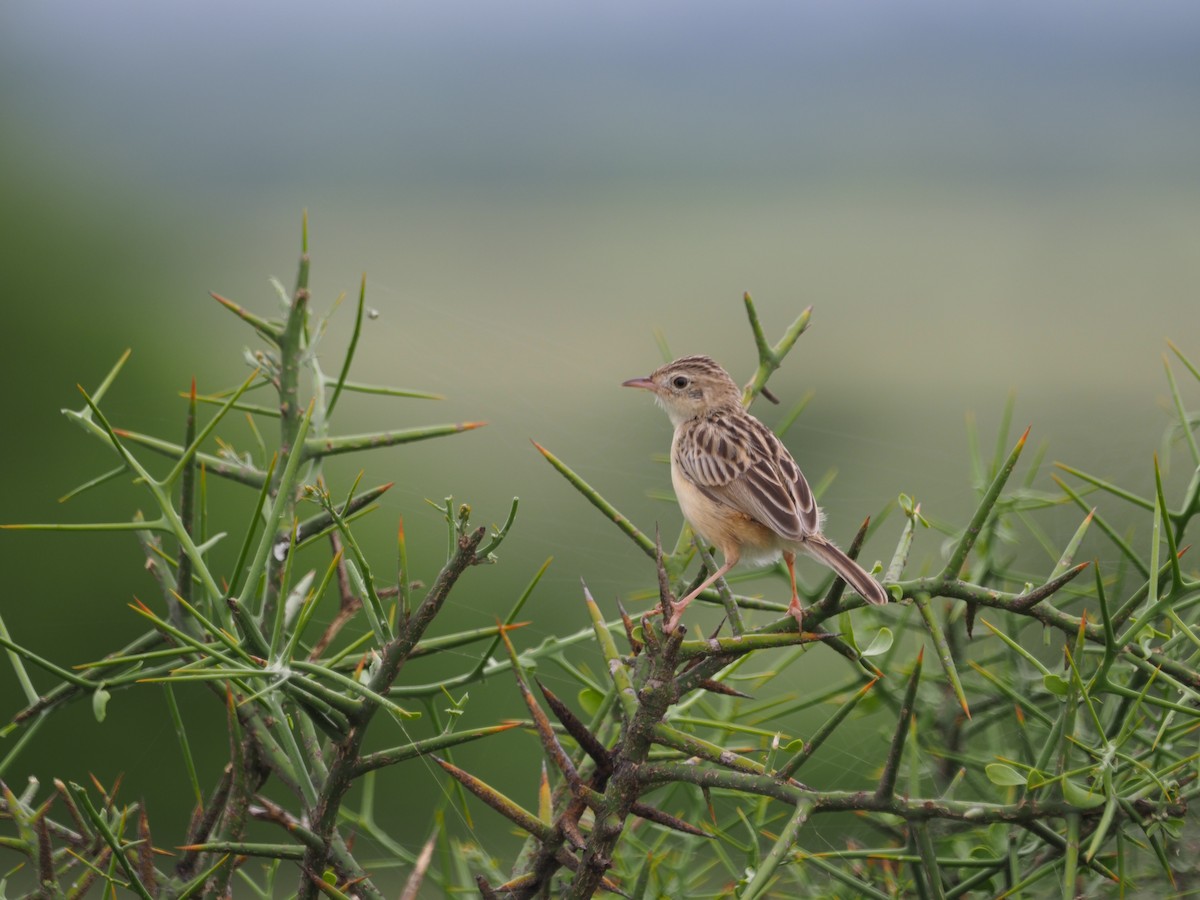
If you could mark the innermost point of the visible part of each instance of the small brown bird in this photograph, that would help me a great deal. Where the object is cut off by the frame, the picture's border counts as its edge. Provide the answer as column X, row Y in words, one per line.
column 737, row 484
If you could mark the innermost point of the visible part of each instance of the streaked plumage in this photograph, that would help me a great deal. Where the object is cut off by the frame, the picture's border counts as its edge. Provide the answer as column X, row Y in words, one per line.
column 736, row 482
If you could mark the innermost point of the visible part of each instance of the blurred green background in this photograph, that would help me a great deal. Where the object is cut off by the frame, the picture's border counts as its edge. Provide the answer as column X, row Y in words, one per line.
column 976, row 200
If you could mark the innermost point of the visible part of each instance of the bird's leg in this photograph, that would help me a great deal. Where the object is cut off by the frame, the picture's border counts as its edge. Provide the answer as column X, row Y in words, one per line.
column 795, row 610
column 678, row 606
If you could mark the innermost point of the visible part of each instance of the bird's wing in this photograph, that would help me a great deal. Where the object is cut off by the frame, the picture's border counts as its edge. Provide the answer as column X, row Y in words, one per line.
column 738, row 461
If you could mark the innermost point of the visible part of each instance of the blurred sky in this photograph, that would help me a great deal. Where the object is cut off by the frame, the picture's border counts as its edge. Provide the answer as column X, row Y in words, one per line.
column 975, row 199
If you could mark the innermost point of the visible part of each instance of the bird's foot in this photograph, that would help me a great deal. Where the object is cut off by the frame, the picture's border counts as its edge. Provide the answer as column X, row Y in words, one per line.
column 796, row 611
column 677, row 608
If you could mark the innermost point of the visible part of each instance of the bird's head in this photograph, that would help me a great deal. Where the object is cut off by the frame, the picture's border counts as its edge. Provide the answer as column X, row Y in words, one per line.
column 690, row 387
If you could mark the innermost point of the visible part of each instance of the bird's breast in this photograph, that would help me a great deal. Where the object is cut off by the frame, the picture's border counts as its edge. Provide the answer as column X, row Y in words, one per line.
column 720, row 524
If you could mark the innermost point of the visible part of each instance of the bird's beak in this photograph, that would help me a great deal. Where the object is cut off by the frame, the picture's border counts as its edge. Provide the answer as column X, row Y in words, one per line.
column 639, row 383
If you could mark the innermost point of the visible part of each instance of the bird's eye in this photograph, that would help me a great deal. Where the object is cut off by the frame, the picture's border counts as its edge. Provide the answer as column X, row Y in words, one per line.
column 680, row 382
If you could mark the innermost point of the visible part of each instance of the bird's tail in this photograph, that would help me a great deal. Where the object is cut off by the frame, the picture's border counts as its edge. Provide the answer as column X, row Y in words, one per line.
column 854, row 574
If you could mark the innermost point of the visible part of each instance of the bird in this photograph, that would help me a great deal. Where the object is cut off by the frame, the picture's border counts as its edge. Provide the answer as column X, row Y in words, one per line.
column 737, row 484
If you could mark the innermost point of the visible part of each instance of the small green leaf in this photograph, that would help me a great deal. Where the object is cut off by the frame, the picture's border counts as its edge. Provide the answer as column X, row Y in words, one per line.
column 1078, row 795
column 100, row 699
column 1056, row 684
column 1037, row 779
column 880, row 644
column 591, row 700
column 846, row 630
column 1004, row 775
